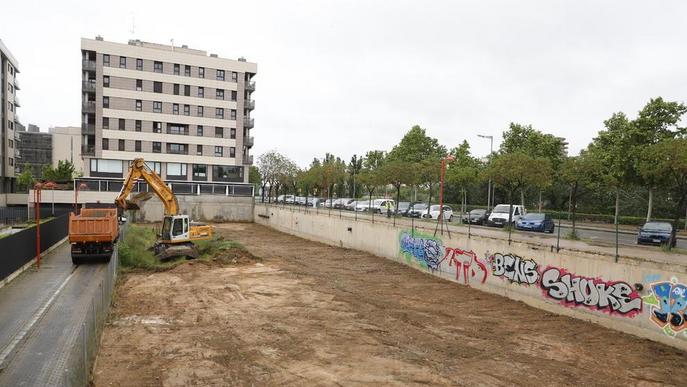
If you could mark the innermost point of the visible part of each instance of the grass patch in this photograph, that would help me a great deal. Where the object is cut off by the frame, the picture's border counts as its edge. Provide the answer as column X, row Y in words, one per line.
column 572, row 236
column 135, row 249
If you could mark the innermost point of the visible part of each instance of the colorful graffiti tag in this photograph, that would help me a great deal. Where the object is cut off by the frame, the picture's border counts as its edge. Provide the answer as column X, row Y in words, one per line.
column 431, row 254
column 514, row 268
column 668, row 301
column 605, row 296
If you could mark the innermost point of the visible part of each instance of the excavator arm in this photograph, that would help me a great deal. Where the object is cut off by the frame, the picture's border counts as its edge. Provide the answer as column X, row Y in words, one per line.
column 137, row 170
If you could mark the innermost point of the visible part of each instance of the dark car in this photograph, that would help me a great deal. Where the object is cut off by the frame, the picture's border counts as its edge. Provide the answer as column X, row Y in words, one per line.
column 403, row 208
column 476, row 216
column 535, row 221
column 418, row 210
column 656, row 233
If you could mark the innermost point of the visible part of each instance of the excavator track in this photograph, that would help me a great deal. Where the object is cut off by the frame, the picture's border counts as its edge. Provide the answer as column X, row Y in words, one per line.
column 165, row 251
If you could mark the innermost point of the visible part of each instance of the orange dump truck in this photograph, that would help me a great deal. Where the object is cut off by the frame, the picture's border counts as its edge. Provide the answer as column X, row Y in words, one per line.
column 93, row 233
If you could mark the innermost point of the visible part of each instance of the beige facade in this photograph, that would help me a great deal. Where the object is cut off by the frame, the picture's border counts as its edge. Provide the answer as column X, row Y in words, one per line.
column 66, row 145
column 8, row 117
column 185, row 112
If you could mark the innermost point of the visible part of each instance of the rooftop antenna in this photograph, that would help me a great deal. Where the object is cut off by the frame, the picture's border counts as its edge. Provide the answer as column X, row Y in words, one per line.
column 172, row 41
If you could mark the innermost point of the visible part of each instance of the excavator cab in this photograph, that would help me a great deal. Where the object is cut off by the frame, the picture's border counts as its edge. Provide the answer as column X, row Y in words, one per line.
column 175, row 229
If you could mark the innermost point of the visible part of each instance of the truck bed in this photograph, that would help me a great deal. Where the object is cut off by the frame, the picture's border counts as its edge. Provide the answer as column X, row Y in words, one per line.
column 93, row 225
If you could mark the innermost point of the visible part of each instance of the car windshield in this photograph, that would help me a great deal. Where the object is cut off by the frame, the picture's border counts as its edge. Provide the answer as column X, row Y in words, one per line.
column 434, row 208
column 501, row 209
column 534, row 216
column 658, row 226
column 477, row 212
column 403, row 205
column 419, row 206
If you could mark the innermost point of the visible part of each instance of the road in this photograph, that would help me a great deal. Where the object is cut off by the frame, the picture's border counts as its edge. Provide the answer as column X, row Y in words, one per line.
column 42, row 313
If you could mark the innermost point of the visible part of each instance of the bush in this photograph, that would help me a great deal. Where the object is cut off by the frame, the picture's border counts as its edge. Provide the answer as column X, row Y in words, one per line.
column 134, row 249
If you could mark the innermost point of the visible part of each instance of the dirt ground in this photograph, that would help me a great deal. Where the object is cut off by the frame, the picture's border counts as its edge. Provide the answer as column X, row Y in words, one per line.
column 309, row 314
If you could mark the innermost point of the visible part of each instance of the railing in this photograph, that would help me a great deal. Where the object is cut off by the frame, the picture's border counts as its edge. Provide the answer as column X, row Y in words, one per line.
column 248, row 141
column 178, row 132
column 250, row 86
column 88, row 65
column 95, row 184
column 16, row 101
column 248, row 122
column 88, row 150
column 87, row 128
column 249, row 104
column 16, row 83
column 88, row 87
column 88, row 106
column 248, row 160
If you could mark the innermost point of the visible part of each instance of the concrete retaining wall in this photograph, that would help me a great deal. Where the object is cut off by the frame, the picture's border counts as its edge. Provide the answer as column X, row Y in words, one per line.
column 204, row 208
column 642, row 298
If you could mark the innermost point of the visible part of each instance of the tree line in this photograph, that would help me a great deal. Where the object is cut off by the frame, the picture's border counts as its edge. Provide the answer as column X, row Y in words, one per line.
column 634, row 166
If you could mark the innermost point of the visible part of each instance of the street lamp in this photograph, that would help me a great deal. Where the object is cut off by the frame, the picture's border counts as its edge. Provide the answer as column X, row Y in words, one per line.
column 52, row 187
column 491, row 150
column 77, row 188
column 440, row 218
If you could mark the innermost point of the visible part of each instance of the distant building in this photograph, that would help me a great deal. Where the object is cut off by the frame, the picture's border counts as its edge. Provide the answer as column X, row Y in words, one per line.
column 185, row 112
column 66, row 145
column 34, row 128
column 34, row 150
column 9, row 69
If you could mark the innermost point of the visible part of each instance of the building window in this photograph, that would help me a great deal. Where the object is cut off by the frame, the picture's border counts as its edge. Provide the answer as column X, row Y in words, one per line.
column 106, row 102
column 106, row 144
column 122, row 124
column 106, row 166
column 157, row 67
column 106, row 81
column 227, row 173
column 234, row 76
column 11, row 162
column 180, row 149
column 219, row 112
column 200, row 172
column 187, row 70
column 139, row 105
column 154, row 166
column 139, row 64
column 201, row 92
column 187, row 110
column 219, row 94
column 106, row 123
column 175, row 108
column 219, row 132
column 139, row 85
column 176, row 89
column 233, row 95
column 122, row 62
column 199, row 131
column 157, row 87
column 121, row 145
column 177, row 169
column 10, row 106
column 157, row 147
column 200, row 111
column 157, row 127
column 232, row 152
column 233, row 114
column 157, row 107
column 201, row 72
column 218, row 151
column 138, row 125
column 137, row 146
column 10, row 124
column 232, row 133
column 11, row 143
column 199, row 150
column 176, row 69
column 106, row 60
column 177, row 129
column 220, row 75
column 187, row 90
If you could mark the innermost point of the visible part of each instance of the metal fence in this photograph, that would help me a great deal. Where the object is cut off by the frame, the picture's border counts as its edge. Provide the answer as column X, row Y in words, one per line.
column 22, row 214
column 82, row 352
column 178, row 187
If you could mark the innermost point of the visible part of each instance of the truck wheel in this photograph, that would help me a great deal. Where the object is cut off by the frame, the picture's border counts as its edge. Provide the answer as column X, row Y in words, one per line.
column 77, row 260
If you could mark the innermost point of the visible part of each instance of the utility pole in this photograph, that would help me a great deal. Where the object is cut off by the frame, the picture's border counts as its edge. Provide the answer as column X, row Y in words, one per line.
column 491, row 150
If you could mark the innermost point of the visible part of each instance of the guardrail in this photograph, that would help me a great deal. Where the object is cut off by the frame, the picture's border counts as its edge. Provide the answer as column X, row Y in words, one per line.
column 178, row 187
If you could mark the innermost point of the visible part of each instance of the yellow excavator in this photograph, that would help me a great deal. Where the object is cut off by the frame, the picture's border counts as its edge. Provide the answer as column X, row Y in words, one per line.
column 178, row 232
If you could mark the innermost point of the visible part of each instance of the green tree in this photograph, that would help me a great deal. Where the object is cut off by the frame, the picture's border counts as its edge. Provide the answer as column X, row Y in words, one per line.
column 64, row 173
column 354, row 167
column 398, row 173
column 463, row 172
column 269, row 165
column 25, row 180
column 254, row 176
column 580, row 173
column 416, row 146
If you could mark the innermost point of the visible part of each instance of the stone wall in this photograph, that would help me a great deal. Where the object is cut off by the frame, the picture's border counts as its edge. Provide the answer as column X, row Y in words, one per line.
column 204, row 208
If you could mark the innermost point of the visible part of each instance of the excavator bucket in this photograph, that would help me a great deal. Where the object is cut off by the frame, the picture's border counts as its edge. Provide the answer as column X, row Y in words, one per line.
column 138, row 199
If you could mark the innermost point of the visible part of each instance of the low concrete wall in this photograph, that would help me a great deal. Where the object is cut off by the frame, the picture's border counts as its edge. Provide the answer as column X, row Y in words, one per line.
column 205, row 208
column 647, row 300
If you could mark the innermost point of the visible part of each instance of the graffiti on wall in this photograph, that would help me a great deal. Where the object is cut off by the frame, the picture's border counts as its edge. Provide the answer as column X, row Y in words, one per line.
column 606, row 296
column 431, row 254
column 514, row 268
column 668, row 301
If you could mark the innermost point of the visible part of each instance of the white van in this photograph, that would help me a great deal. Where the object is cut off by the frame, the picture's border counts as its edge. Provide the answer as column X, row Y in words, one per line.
column 499, row 215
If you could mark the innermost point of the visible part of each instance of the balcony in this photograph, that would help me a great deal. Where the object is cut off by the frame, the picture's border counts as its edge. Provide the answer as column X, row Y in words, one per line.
column 248, row 141
column 88, row 65
column 16, row 84
column 16, row 101
column 88, row 107
column 88, row 150
column 250, row 86
column 248, row 160
column 87, row 128
column 88, row 86
column 249, row 104
column 248, row 123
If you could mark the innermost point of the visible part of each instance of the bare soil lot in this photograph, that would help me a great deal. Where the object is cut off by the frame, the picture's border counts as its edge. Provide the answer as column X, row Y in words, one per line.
column 309, row 314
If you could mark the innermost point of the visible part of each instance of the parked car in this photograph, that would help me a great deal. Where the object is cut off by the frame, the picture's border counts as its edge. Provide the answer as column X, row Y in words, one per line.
column 402, row 208
column 499, row 215
column 299, row 200
column 657, row 233
column 361, row 205
column 476, row 216
column 328, row 203
column 350, row 206
column 434, row 212
column 287, row 199
column 535, row 221
column 342, row 202
column 417, row 210
column 378, row 205
column 314, row 202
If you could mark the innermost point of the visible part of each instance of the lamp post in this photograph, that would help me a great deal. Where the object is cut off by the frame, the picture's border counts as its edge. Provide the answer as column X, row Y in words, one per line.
column 81, row 186
column 440, row 218
column 37, row 218
column 52, row 186
column 491, row 150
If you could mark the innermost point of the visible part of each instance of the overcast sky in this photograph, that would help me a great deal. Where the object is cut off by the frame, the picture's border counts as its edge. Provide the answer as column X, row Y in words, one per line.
column 350, row 76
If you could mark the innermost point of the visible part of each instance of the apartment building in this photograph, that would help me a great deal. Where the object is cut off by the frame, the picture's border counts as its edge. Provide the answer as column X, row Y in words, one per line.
column 8, row 117
column 187, row 113
column 66, row 145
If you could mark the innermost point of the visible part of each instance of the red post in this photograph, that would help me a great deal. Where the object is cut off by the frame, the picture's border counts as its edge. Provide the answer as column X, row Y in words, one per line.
column 37, row 209
column 441, row 186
